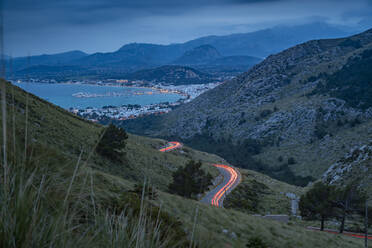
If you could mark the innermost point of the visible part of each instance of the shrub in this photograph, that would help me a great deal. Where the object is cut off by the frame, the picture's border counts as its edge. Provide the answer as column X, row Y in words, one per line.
column 112, row 143
column 264, row 113
column 280, row 159
column 291, row 161
column 190, row 180
column 351, row 43
column 246, row 197
column 150, row 191
column 242, row 121
column 351, row 83
column 256, row 242
column 355, row 122
column 320, row 131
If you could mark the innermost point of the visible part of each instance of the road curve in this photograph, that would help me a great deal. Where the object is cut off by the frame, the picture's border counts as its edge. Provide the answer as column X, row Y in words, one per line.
column 351, row 234
column 171, row 146
column 231, row 178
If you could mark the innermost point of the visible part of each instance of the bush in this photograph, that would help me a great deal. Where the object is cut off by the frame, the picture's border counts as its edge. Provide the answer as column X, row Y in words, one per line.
column 320, row 131
column 190, row 180
column 280, row 159
column 291, row 161
column 264, row 113
column 256, row 242
column 131, row 204
column 351, row 43
column 112, row 143
column 246, row 197
column 352, row 83
column 355, row 122
column 150, row 191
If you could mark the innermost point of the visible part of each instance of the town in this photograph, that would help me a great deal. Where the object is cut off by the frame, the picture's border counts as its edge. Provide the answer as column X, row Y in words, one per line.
column 131, row 111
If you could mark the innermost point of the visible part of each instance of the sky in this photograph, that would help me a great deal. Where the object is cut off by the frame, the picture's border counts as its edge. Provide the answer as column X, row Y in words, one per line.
column 51, row 26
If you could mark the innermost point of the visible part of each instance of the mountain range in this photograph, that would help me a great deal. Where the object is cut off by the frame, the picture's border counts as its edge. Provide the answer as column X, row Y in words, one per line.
column 137, row 56
column 290, row 116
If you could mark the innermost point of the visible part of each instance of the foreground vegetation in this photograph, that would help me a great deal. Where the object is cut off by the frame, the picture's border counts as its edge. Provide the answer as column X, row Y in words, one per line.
column 325, row 201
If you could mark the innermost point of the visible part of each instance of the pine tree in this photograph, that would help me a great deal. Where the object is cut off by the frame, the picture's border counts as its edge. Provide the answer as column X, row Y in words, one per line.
column 112, row 143
column 190, row 180
column 317, row 203
column 348, row 200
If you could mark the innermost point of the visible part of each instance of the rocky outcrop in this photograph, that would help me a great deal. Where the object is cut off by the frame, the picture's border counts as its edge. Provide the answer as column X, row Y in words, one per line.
column 355, row 166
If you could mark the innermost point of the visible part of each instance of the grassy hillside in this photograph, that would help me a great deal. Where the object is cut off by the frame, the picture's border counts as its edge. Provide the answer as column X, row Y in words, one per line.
column 88, row 200
column 261, row 194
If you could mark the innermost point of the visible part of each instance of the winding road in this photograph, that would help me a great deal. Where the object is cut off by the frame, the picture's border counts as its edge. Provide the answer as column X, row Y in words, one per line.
column 231, row 178
column 171, row 146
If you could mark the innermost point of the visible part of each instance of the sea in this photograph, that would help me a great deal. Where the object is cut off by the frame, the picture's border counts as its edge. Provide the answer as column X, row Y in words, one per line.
column 82, row 96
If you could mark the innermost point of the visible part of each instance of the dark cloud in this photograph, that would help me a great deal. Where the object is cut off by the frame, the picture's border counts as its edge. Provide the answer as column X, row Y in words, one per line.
column 38, row 26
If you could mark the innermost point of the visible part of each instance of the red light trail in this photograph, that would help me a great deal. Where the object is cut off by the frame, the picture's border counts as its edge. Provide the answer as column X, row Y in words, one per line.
column 174, row 145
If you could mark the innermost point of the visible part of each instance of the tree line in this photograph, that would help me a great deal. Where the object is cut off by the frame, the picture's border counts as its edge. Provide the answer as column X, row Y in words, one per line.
column 324, row 202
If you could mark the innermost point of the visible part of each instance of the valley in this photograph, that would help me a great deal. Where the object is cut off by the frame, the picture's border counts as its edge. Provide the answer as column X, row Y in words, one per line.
column 259, row 137
column 142, row 160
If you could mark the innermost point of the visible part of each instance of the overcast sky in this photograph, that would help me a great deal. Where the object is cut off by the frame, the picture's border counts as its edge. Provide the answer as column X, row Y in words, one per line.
column 50, row 26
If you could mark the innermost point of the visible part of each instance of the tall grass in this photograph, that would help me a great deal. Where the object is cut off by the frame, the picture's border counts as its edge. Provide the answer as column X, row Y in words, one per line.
column 30, row 217
column 59, row 198
column 47, row 202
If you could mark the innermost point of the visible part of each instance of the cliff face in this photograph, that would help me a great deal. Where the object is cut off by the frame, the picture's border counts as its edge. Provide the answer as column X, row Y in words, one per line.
column 291, row 104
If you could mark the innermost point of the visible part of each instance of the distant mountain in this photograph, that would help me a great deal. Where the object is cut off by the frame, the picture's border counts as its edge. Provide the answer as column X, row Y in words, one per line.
column 130, row 57
column 229, row 66
column 235, row 61
column 137, row 56
column 47, row 59
column 172, row 74
column 57, row 72
column 199, row 55
column 290, row 116
column 264, row 42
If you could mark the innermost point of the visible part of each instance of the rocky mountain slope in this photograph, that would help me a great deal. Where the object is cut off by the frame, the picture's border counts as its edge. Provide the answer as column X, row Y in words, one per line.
column 355, row 166
column 264, row 42
column 296, row 112
column 235, row 61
